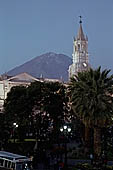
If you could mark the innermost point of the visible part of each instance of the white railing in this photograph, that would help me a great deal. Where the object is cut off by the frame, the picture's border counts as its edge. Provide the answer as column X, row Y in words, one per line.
column 8, row 164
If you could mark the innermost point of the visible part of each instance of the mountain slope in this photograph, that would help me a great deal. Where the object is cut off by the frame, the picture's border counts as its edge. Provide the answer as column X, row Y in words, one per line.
column 49, row 65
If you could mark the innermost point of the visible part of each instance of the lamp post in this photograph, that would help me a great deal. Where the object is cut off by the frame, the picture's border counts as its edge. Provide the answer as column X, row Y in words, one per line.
column 15, row 126
column 65, row 130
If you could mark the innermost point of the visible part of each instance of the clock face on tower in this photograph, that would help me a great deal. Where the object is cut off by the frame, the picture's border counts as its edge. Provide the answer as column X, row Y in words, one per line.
column 84, row 64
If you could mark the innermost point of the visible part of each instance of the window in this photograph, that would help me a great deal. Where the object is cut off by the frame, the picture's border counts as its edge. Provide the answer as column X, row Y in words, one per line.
column 78, row 46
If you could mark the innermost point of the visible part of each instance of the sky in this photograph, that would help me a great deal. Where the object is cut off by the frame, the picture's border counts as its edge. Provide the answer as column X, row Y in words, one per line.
column 29, row 28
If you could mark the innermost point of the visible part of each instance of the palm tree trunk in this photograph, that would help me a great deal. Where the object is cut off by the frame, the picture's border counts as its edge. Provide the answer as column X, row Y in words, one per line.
column 87, row 140
column 97, row 141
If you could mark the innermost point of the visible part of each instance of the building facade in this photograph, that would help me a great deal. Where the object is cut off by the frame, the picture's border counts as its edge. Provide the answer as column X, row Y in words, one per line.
column 22, row 79
column 80, row 55
column 7, row 83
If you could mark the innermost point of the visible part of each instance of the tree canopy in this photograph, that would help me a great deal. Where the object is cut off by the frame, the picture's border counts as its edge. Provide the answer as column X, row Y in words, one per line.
column 92, row 101
column 91, row 96
column 39, row 105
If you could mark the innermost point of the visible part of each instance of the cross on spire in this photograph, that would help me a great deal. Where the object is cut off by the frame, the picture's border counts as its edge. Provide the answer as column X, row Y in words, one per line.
column 80, row 19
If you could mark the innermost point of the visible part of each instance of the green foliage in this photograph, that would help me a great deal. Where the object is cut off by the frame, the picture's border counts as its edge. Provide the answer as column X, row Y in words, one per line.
column 4, row 130
column 83, row 166
column 87, row 166
column 91, row 95
column 92, row 101
column 35, row 108
column 15, row 105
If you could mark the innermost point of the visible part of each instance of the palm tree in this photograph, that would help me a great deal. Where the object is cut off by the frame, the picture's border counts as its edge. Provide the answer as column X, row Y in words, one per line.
column 92, row 101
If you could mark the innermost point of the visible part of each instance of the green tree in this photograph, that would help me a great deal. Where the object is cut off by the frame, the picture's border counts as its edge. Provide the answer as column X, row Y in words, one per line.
column 35, row 94
column 18, row 107
column 4, row 131
column 16, row 110
column 35, row 107
column 50, row 105
column 92, row 101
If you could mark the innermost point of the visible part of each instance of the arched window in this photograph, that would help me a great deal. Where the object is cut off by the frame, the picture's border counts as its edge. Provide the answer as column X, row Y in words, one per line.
column 78, row 46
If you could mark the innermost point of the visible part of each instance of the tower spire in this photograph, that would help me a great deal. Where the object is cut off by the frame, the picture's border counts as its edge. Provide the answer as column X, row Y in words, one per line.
column 80, row 35
column 80, row 53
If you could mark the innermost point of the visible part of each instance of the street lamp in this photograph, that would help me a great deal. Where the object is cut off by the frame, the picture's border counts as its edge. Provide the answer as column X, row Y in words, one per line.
column 15, row 126
column 65, row 130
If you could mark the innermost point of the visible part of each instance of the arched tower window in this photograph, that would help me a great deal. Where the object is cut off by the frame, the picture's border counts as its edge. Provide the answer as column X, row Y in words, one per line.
column 78, row 46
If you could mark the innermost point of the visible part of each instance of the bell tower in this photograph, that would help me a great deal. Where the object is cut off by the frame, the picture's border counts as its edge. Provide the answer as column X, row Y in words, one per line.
column 80, row 53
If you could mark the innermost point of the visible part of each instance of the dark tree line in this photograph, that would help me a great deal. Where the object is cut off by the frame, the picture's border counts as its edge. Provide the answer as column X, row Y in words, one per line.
column 38, row 109
column 41, row 108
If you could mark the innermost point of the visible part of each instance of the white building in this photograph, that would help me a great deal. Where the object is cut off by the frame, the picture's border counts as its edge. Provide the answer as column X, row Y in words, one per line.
column 7, row 83
column 23, row 79
column 80, row 53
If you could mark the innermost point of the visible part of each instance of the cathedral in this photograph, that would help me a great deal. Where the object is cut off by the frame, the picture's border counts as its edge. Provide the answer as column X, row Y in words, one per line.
column 80, row 53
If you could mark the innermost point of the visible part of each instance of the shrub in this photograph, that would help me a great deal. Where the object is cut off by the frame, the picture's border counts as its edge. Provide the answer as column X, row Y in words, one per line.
column 86, row 166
